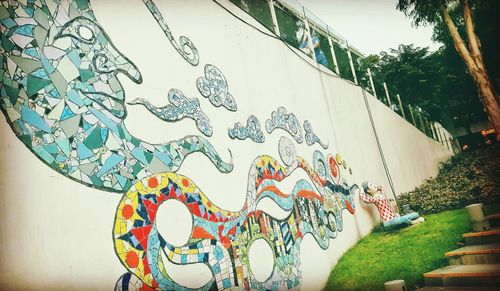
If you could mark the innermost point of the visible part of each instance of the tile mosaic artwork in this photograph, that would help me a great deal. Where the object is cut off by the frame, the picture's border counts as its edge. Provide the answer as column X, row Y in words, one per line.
column 221, row 239
column 252, row 130
column 180, row 107
column 214, row 87
column 286, row 121
column 311, row 137
column 60, row 94
column 185, row 48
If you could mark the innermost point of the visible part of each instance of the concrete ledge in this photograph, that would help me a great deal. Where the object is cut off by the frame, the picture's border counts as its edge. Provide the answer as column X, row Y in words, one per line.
column 453, row 288
column 464, row 275
column 483, row 237
column 483, row 233
column 483, row 270
column 475, row 254
column 475, row 250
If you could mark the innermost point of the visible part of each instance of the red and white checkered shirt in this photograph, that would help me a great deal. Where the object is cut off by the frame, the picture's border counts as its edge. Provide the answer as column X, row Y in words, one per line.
column 384, row 208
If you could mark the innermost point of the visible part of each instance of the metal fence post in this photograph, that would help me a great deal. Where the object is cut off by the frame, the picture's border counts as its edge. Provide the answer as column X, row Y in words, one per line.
column 441, row 135
column 421, row 121
column 371, row 82
column 448, row 140
column 401, row 106
column 428, row 126
column 332, row 51
column 438, row 138
column 434, row 136
column 387, row 95
column 308, row 28
column 412, row 116
column 274, row 18
column 351, row 63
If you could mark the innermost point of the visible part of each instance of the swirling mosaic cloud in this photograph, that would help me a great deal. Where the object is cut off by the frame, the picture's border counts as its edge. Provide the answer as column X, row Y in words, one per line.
column 180, row 107
column 252, row 130
column 214, row 87
column 286, row 121
column 311, row 137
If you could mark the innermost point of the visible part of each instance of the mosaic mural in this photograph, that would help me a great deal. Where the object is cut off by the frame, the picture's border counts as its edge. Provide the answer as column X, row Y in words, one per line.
column 311, row 137
column 185, row 48
column 179, row 108
column 62, row 98
column 61, row 95
column 286, row 121
column 252, row 130
column 214, row 87
column 221, row 239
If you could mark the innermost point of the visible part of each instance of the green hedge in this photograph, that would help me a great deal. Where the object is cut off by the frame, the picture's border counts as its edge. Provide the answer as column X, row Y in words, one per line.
column 466, row 178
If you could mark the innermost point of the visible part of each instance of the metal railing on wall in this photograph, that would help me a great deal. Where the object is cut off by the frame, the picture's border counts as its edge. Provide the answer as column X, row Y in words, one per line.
column 298, row 27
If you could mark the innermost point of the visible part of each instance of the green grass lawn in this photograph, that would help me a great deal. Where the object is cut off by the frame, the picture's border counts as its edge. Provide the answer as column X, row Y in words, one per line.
column 401, row 254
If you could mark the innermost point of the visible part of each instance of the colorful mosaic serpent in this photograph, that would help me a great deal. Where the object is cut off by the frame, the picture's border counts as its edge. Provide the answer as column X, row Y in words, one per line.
column 221, row 239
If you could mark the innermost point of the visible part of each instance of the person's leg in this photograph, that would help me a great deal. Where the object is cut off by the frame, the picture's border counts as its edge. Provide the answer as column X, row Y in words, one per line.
column 411, row 216
column 414, row 218
column 397, row 221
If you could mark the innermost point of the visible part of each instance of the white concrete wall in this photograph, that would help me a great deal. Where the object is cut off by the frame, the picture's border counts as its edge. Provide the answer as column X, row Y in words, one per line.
column 56, row 233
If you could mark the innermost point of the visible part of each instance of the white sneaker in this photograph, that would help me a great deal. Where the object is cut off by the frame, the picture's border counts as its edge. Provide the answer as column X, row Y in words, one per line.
column 418, row 220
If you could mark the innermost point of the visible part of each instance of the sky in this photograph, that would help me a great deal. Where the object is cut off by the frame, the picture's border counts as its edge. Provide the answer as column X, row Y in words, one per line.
column 371, row 26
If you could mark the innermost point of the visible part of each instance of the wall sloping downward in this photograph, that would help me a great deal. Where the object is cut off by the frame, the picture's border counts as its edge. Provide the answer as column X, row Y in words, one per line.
column 57, row 233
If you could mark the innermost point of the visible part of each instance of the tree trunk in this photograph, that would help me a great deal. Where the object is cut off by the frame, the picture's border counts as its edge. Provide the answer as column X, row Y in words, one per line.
column 490, row 102
column 475, row 46
column 476, row 70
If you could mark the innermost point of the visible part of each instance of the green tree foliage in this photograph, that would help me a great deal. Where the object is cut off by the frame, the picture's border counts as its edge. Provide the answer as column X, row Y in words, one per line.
column 372, row 62
column 464, row 106
column 439, row 82
column 464, row 25
column 423, row 12
column 416, row 74
column 259, row 9
column 422, row 78
column 460, row 100
column 487, row 24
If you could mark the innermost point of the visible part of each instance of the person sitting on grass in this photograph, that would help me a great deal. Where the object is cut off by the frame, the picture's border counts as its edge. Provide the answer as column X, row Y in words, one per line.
column 389, row 216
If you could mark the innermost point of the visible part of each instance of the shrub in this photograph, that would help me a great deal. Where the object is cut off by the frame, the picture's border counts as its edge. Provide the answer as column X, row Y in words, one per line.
column 466, row 178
